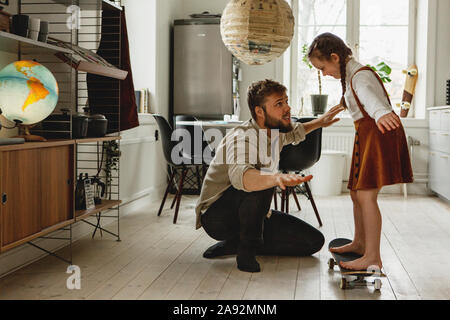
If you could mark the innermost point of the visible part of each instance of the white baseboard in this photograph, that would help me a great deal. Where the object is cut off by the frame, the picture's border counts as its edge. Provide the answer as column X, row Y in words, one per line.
column 24, row 255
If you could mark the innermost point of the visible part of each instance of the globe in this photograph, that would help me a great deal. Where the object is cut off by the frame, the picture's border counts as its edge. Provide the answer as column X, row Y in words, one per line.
column 28, row 92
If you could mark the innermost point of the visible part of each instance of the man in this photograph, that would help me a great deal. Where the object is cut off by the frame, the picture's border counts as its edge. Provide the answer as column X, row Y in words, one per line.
column 237, row 192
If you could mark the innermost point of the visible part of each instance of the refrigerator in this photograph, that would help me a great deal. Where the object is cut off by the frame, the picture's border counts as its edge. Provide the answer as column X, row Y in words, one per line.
column 202, row 70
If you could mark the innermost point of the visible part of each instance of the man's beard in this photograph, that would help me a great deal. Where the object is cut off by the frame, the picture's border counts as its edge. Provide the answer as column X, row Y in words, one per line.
column 273, row 123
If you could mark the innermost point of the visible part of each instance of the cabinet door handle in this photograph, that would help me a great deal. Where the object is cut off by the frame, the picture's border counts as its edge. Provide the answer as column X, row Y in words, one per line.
column 4, row 198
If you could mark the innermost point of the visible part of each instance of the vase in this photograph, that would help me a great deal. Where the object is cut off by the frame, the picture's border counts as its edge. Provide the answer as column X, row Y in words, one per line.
column 319, row 103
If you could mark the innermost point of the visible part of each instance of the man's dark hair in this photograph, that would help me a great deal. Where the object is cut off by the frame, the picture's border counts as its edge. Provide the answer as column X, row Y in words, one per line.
column 258, row 91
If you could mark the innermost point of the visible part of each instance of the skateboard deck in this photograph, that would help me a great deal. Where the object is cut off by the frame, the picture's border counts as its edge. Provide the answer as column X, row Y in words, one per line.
column 350, row 256
column 409, row 89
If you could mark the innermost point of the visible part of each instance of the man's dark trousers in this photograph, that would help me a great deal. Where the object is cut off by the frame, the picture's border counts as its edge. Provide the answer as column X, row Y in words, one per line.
column 241, row 217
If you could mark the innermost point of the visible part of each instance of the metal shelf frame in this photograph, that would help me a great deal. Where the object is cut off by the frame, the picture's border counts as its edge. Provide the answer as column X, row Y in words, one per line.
column 73, row 92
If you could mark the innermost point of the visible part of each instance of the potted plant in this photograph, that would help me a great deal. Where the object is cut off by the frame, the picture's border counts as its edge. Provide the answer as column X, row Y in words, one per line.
column 383, row 71
column 318, row 101
column 111, row 149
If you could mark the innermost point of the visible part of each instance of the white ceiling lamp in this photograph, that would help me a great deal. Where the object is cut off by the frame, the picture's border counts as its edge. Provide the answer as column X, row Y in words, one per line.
column 257, row 31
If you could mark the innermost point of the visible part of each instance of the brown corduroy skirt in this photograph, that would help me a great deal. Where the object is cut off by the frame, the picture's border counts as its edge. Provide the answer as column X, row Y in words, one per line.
column 378, row 159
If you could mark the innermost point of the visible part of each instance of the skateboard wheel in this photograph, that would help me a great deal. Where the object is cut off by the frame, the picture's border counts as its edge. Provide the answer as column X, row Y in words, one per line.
column 331, row 263
column 343, row 284
column 377, row 284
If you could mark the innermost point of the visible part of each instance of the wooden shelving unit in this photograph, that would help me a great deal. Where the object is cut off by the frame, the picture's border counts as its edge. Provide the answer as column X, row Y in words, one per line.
column 46, row 202
column 102, row 139
column 105, row 205
column 10, row 42
column 105, row 5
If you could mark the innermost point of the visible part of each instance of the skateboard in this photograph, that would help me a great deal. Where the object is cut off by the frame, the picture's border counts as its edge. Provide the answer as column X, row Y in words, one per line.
column 409, row 89
column 360, row 275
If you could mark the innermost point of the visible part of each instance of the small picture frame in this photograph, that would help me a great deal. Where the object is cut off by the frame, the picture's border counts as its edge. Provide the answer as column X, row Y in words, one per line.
column 89, row 194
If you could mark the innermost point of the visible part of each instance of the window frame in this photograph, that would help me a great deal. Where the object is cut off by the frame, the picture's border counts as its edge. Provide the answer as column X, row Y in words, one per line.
column 353, row 38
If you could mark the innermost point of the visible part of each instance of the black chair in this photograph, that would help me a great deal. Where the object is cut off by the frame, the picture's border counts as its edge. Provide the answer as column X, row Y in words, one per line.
column 297, row 158
column 196, row 132
column 186, row 164
column 192, row 130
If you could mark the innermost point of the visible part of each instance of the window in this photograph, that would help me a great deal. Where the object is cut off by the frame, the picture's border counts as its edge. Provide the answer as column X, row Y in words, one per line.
column 377, row 31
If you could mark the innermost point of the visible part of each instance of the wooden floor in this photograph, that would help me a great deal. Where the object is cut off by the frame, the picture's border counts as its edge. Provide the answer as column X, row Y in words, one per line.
column 159, row 260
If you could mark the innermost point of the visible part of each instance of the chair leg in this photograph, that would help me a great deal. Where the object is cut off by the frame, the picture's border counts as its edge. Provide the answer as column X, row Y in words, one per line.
column 275, row 198
column 199, row 182
column 288, row 192
column 283, row 193
column 175, row 198
column 308, row 190
column 180, row 192
column 167, row 191
column 296, row 199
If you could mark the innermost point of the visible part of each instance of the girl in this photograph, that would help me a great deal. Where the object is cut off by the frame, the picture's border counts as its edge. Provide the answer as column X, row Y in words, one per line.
column 380, row 153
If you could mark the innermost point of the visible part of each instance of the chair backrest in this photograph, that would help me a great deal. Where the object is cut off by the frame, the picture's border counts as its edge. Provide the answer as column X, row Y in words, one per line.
column 191, row 129
column 166, row 134
column 295, row 158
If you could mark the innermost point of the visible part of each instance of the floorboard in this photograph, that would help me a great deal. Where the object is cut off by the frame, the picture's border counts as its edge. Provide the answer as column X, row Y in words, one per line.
column 159, row 260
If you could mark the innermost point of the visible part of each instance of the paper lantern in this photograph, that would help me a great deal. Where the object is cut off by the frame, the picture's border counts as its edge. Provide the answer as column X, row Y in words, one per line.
column 257, row 31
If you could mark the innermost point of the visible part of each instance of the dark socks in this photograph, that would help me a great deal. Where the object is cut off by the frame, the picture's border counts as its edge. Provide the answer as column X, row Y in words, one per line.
column 246, row 260
column 222, row 248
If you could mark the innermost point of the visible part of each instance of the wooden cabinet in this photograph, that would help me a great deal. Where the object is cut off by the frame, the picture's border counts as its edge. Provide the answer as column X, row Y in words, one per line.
column 56, row 184
column 439, row 156
column 36, row 186
column 20, row 198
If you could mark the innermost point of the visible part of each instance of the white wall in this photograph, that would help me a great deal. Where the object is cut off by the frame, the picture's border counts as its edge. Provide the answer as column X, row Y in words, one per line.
column 143, row 167
column 142, row 40
column 432, row 53
column 442, row 51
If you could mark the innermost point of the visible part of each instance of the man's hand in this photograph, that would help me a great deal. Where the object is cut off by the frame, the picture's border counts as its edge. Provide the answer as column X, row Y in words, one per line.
column 389, row 122
column 290, row 180
column 329, row 117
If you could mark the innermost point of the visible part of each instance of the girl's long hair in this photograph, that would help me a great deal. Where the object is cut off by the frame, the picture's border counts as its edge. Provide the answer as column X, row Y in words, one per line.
column 323, row 46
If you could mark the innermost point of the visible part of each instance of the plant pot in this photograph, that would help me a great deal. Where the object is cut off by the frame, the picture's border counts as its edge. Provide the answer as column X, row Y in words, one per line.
column 319, row 103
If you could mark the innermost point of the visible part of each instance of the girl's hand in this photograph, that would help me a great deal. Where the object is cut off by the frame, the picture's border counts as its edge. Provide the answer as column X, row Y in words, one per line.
column 389, row 122
column 329, row 117
column 290, row 180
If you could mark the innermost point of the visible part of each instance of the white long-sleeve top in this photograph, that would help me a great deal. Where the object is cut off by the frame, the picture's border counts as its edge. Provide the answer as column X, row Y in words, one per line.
column 369, row 91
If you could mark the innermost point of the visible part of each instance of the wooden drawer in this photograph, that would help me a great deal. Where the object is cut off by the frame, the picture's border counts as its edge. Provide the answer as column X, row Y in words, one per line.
column 20, row 179
column 37, row 191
